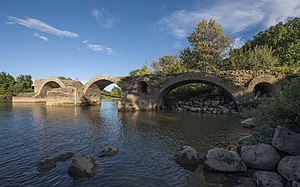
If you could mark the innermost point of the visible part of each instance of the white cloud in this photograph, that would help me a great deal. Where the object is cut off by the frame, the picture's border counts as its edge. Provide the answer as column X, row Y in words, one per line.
column 235, row 16
column 98, row 48
column 237, row 43
column 85, row 41
column 41, row 26
column 104, row 18
column 44, row 38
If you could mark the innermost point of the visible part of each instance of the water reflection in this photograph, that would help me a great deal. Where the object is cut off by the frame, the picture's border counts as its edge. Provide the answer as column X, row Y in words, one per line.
column 147, row 142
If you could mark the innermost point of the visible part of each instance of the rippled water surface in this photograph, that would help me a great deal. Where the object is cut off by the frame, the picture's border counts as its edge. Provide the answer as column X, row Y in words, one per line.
column 147, row 142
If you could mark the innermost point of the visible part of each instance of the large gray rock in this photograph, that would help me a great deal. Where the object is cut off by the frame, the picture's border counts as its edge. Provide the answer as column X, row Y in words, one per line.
column 268, row 179
column 219, row 159
column 83, row 167
column 289, row 168
column 187, row 157
column 286, row 140
column 249, row 123
column 261, row 156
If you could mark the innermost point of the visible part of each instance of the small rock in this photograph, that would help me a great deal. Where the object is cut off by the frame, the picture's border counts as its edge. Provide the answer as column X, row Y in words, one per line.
column 249, row 123
column 63, row 157
column 268, row 179
column 193, row 109
column 261, row 156
column 187, row 157
column 296, row 184
column 108, row 152
column 46, row 165
column 219, row 159
column 286, row 140
column 83, row 167
column 289, row 168
column 210, row 109
column 243, row 141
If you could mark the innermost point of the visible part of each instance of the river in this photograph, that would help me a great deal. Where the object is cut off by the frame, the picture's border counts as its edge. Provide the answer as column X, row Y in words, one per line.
column 147, row 142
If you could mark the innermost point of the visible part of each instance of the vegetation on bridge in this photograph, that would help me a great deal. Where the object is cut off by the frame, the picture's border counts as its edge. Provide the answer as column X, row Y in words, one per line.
column 10, row 86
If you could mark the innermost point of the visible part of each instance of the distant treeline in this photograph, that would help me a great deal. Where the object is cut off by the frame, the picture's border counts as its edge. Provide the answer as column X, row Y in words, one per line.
column 12, row 86
column 114, row 93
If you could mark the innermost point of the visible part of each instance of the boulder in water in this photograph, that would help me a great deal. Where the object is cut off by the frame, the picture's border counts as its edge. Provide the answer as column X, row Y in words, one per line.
column 83, row 167
column 187, row 157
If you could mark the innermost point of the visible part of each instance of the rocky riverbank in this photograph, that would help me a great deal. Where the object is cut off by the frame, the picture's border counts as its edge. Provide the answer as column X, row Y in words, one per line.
column 205, row 103
column 276, row 164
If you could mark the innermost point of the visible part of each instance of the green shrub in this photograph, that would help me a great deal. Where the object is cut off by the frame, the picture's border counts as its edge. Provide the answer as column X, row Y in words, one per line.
column 273, row 112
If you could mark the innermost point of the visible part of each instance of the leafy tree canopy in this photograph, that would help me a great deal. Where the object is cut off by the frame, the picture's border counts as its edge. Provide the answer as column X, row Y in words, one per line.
column 10, row 86
column 261, row 57
column 144, row 70
column 284, row 39
column 208, row 46
column 168, row 65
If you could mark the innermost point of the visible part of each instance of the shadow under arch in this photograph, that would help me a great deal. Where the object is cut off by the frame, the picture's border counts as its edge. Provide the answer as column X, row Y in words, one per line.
column 142, row 87
column 93, row 88
column 49, row 84
column 198, row 77
column 265, row 84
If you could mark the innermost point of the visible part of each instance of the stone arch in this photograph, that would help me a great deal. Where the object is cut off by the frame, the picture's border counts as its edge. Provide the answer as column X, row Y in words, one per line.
column 95, row 86
column 198, row 77
column 49, row 84
column 267, row 84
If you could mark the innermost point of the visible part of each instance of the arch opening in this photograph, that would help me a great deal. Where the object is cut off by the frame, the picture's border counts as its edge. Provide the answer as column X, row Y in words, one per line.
column 102, row 89
column 264, row 89
column 197, row 96
column 143, row 87
column 47, row 87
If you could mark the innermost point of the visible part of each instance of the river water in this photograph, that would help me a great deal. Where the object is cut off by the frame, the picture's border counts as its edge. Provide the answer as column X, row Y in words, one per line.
column 147, row 142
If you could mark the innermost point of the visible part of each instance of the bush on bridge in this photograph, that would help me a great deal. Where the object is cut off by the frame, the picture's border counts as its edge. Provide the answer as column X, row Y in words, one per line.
column 277, row 110
column 258, row 58
column 144, row 70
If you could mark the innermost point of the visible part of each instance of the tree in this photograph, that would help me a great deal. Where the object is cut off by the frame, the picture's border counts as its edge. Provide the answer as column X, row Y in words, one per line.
column 208, row 46
column 168, row 65
column 261, row 57
column 284, row 39
column 23, row 84
column 6, row 82
column 116, row 92
column 144, row 70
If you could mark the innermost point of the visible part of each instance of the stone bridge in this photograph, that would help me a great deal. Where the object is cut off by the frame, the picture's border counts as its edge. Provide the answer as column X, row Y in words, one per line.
column 149, row 92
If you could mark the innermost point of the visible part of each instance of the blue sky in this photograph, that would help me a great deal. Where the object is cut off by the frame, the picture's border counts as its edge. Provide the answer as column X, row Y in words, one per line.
column 82, row 39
